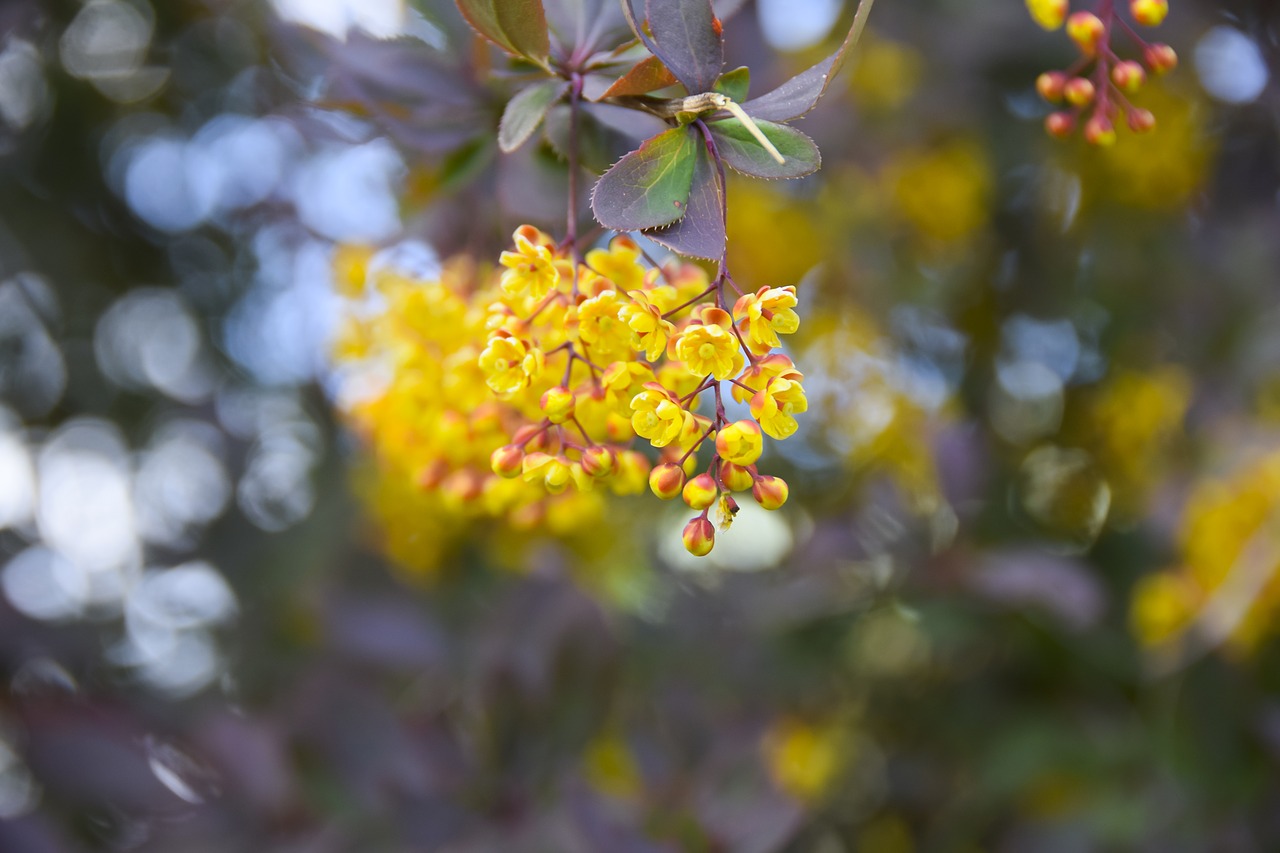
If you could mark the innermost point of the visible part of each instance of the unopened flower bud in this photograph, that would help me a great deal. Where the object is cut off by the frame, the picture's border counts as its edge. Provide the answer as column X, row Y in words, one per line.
column 1099, row 131
column 632, row 469
column 700, row 492
column 533, row 438
column 666, row 480
column 1149, row 13
column 770, row 492
column 741, row 442
column 1049, row 14
column 735, row 478
column 1128, row 76
column 1050, row 85
column 506, row 461
column 598, row 461
column 699, row 536
column 1160, row 58
column 1087, row 31
column 1060, row 125
column 557, row 404
column 1078, row 91
column 1142, row 121
column 433, row 474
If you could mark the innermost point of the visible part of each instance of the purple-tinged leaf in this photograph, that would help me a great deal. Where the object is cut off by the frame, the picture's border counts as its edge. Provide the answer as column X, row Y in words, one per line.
column 742, row 152
column 701, row 233
column 802, row 92
column 649, row 187
column 525, row 111
column 516, row 26
column 733, row 84
column 689, row 41
column 582, row 25
column 647, row 76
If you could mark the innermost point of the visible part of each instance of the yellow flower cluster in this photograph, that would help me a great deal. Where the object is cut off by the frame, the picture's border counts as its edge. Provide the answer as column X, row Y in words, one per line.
column 414, row 391
column 1102, row 93
column 1228, row 587
column 592, row 355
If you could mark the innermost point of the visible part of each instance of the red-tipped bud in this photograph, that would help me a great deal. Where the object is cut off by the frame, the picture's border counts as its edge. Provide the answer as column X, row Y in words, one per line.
column 1048, row 13
column 1149, row 13
column 1050, row 85
column 1160, row 58
column 533, row 438
column 699, row 536
column 770, row 492
column 433, row 474
column 598, row 461
column 1087, row 31
column 1142, row 121
column 735, row 478
column 1128, row 76
column 557, row 404
column 1099, row 131
column 666, row 480
column 1059, row 125
column 700, row 492
column 506, row 461
column 741, row 442
column 1078, row 91
column 463, row 486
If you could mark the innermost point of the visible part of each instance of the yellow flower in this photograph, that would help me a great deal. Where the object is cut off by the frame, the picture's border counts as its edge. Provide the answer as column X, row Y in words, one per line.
column 709, row 347
column 758, row 375
column 620, row 263
column 531, row 268
column 775, row 405
column 600, row 328
column 657, row 415
column 555, row 472
column 622, row 380
column 509, row 364
column 644, row 318
column 765, row 314
column 740, row 443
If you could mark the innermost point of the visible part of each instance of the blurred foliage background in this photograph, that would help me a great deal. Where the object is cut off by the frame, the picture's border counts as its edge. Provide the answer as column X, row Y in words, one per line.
column 1023, row 596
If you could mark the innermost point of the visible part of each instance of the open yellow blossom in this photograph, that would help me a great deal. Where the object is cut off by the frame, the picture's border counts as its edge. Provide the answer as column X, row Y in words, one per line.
column 509, row 364
column 531, row 268
column 758, row 375
column 555, row 472
column 605, row 335
column 657, row 415
column 776, row 404
column 765, row 314
column 709, row 347
column 644, row 318
column 619, row 263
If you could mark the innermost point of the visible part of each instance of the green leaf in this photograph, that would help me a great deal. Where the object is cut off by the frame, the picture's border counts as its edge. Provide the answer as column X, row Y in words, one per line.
column 516, row 26
column 649, row 187
column 734, row 84
column 701, row 233
column 525, row 111
column 742, row 152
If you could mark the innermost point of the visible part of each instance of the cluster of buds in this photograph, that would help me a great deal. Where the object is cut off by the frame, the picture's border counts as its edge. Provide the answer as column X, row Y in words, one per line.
column 1095, row 90
column 601, row 353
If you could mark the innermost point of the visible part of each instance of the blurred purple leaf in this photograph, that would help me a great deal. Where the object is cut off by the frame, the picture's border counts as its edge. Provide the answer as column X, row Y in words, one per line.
column 1060, row 585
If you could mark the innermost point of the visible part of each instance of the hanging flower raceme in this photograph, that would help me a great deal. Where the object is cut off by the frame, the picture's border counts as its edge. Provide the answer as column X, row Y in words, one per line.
column 1095, row 90
column 602, row 356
